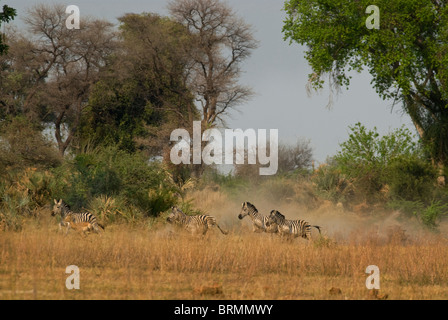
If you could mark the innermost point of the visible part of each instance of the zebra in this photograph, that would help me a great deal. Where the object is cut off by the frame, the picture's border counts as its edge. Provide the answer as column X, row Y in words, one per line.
column 70, row 221
column 69, row 217
column 295, row 228
column 258, row 220
column 194, row 224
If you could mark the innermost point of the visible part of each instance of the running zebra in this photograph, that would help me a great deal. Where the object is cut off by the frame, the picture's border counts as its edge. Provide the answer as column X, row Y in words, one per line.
column 194, row 224
column 69, row 217
column 295, row 228
column 258, row 220
column 71, row 223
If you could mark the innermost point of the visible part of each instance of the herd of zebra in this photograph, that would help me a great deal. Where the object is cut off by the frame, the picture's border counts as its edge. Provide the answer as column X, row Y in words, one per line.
column 197, row 224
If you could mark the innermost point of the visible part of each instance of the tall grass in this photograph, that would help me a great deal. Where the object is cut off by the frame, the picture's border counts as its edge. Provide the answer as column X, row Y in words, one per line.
column 134, row 263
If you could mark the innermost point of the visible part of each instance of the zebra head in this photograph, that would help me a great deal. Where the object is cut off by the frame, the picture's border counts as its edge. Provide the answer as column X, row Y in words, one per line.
column 274, row 218
column 246, row 208
column 175, row 215
column 58, row 207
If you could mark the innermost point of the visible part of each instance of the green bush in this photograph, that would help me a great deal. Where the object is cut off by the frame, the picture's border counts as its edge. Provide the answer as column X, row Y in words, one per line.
column 115, row 173
column 410, row 179
column 22, row 193
column 364, row 157
column 114, row 209
column 331, row 184
column 429, row 214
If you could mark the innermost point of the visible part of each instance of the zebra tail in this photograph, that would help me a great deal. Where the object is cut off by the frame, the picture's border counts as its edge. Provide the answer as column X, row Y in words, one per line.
column 318, row 228
column 102, row 227
column 224, row 232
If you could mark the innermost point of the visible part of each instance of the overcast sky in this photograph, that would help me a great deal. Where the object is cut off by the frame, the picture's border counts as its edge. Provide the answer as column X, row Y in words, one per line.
column 278, row 73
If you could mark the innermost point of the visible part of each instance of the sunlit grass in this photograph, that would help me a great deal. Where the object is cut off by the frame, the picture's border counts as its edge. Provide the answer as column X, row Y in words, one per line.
column 155, row 263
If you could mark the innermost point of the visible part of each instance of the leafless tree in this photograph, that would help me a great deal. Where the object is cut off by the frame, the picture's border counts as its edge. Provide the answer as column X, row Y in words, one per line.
column 290, row 158
column 222, row 42
column 295, row 156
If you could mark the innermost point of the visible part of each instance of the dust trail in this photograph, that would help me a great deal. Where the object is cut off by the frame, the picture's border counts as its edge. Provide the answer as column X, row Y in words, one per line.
column 336, row 222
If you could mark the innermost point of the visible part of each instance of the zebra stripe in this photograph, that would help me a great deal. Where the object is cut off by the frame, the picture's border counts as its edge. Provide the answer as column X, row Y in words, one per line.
column 295, row 228
column 259, row 221
column 194, row 224
column 72, row 222
column 69, row 217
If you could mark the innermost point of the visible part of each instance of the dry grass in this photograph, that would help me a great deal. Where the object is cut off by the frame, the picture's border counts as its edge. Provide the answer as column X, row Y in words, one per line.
column 152, row 261
column 125, row 263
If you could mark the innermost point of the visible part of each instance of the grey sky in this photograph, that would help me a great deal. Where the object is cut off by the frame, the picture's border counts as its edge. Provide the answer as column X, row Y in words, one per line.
column 278, row 73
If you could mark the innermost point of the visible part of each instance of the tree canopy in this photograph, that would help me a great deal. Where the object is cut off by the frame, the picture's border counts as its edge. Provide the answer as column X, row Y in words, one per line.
column 407, row 55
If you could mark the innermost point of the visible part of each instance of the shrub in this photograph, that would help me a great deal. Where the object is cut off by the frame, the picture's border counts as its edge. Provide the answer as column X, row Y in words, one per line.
column 431, row 215
column 364, row 157
column 114, row 209
column 22, row 145
column 410, row 179
column 331, row 184
column 115, row 173
column 22, row 193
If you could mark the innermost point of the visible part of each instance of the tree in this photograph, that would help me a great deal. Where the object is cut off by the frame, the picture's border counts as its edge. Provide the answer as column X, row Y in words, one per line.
column 222, row 41
column 22, row 144
column 142, row 94
column 6, row 15
column 298, row 156
column 292, row 158
column 64, row 64
column 407, row 55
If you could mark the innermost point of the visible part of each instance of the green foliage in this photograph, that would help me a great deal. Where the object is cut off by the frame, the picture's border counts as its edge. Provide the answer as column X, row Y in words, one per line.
column 406, row 56
column 114, row 209
column 6, row 15
column 367, row 147
column 410, row 179
column 141, row 91
column 331, row 184
column 188, row 208
column 389, row 170
column 429, row 214
column 432, row 213
column 115, row 173
column 364, row 159
column 339, row 41
column 23, row 192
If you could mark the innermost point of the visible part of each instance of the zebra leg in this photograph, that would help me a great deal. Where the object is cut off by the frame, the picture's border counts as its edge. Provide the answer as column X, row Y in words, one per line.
column 94, row 228
column 257, row 229
column 61, row 224
column 68, row 228
column 224, row 232
column 84, row 232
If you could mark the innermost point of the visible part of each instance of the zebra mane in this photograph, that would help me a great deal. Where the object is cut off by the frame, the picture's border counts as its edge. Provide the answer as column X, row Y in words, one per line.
column 65, row 205
column 251, row 206
column 279, row 215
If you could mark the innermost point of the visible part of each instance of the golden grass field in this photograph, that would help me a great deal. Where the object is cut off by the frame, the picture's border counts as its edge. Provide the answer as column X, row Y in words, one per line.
column 153, row 262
